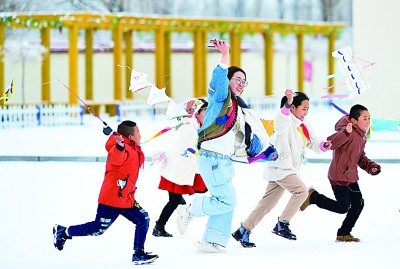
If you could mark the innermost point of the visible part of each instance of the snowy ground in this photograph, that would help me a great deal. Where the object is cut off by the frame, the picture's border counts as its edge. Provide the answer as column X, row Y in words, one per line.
column 36, row 195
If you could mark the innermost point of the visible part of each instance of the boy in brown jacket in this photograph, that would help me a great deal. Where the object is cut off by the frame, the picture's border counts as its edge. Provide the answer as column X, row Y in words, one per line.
column 348, row 145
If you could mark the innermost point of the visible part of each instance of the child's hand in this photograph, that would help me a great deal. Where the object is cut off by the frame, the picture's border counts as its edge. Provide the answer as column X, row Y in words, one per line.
column 289, row 94
column 349, row 127
column 119, row 140
column 375, row 170
column 327, row 145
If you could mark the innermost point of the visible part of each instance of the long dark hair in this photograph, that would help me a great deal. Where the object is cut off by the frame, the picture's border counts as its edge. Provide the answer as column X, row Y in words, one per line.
column 297, row 99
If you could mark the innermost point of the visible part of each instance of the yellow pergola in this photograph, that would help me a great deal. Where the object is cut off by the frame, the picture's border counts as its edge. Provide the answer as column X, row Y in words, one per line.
column 122, row 27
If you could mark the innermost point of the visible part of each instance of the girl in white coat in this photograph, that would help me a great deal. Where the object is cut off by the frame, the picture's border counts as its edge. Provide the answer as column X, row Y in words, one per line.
column 179, row 173
column 293, row 134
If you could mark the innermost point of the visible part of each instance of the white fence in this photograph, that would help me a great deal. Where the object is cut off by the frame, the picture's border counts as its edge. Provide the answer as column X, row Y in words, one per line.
column 63, row 114
column 46, row 115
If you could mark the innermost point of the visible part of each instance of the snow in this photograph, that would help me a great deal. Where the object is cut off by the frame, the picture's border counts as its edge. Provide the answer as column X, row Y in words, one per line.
column 36, row 195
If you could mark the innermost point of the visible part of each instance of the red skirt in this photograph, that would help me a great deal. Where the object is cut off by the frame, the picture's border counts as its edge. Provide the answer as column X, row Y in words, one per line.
column 198, row 186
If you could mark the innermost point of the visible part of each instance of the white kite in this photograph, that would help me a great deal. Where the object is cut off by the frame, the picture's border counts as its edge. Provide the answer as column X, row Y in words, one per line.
column 157, row 96
column 175, row 110
column 355, row 81
column 138, row 81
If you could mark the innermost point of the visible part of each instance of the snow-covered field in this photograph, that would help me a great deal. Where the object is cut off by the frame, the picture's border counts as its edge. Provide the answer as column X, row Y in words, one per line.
column 36, row 195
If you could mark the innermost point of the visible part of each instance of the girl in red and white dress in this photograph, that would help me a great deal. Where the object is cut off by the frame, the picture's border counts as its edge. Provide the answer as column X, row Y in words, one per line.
column 179, row 173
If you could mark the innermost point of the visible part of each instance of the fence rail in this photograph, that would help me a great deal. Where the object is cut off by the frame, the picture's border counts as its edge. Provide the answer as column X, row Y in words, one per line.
column 64, row 114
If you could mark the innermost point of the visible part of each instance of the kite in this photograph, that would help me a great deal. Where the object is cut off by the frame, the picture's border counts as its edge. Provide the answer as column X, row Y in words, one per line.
column 355, row 81
column 7, row 95
column 138, row 81
column 157, row 96
column 175, row 110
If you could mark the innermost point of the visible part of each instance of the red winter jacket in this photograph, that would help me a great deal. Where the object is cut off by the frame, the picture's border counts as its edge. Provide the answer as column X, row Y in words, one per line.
column 348, row 153
column 121, row 165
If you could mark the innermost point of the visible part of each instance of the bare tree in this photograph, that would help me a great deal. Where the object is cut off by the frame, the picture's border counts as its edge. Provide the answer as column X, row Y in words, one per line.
column 13, row 5
column 327, row 8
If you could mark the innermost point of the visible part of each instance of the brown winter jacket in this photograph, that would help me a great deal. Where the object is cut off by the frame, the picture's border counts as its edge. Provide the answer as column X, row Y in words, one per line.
column 348, row 153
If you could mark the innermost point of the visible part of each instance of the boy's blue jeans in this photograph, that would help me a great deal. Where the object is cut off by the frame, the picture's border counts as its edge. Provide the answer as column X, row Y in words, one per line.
column 217, row 172
column 105, row 217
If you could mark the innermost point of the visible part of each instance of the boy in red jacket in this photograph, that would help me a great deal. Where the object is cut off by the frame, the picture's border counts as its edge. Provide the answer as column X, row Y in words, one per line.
column 124, row 160
column 348, row 145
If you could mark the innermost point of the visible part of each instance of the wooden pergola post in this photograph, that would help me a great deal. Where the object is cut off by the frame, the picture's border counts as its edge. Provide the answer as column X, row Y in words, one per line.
column 167, row 63
column 73, row 54
column 268, row 61
column 163, row 59
column 200, row 63
column 89, row 64
column 235, row 49
column 128, row 61
column 45, row 40
column 300, row 62
column 117, row 51
column 331, row 60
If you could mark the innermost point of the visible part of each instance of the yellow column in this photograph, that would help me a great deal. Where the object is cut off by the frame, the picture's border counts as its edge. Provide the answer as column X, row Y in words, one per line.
column 128, row 61
column 331, row 61
column 235, row 49
column 167, row 64
column 45, row 39
column 269, row 61
column 117, row 37
column 300, row 62
column 160, row 58
column 73, row 54
column 200, row 63
column 89, row 64
column 2, row 37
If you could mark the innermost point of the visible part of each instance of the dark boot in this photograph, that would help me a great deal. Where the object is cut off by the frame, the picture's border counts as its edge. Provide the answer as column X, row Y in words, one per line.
column 282, row 229
column 243, row 236
column 159, row 231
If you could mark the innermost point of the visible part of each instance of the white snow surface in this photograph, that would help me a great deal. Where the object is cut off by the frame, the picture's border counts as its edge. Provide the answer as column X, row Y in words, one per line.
column 36, row 195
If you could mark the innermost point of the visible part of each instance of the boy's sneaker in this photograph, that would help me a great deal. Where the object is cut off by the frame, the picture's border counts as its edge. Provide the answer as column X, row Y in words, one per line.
column 282, row 229
column 60, row 236
column 141, row 257
column 184, row 217
column 207, row 247
column 243, row 236
column 159, row 231
column 347, row 238
column 306, row 203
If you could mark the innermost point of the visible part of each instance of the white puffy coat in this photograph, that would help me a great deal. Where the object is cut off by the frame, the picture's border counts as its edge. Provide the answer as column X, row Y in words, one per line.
column 290, row 145
column 178, row 167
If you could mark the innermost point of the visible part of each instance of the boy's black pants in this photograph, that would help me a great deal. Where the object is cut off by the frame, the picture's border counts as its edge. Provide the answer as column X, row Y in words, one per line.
column 348, row 200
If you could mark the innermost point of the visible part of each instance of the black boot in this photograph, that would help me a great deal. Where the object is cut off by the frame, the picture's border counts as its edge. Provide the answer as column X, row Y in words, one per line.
column 159, row 231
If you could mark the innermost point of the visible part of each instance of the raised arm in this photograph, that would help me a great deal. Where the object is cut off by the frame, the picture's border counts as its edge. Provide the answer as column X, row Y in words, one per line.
column 223, row 48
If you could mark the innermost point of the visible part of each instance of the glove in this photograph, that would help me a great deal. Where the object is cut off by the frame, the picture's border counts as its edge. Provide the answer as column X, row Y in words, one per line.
column 255, row 146
column 270, row 154
column 375, row 169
